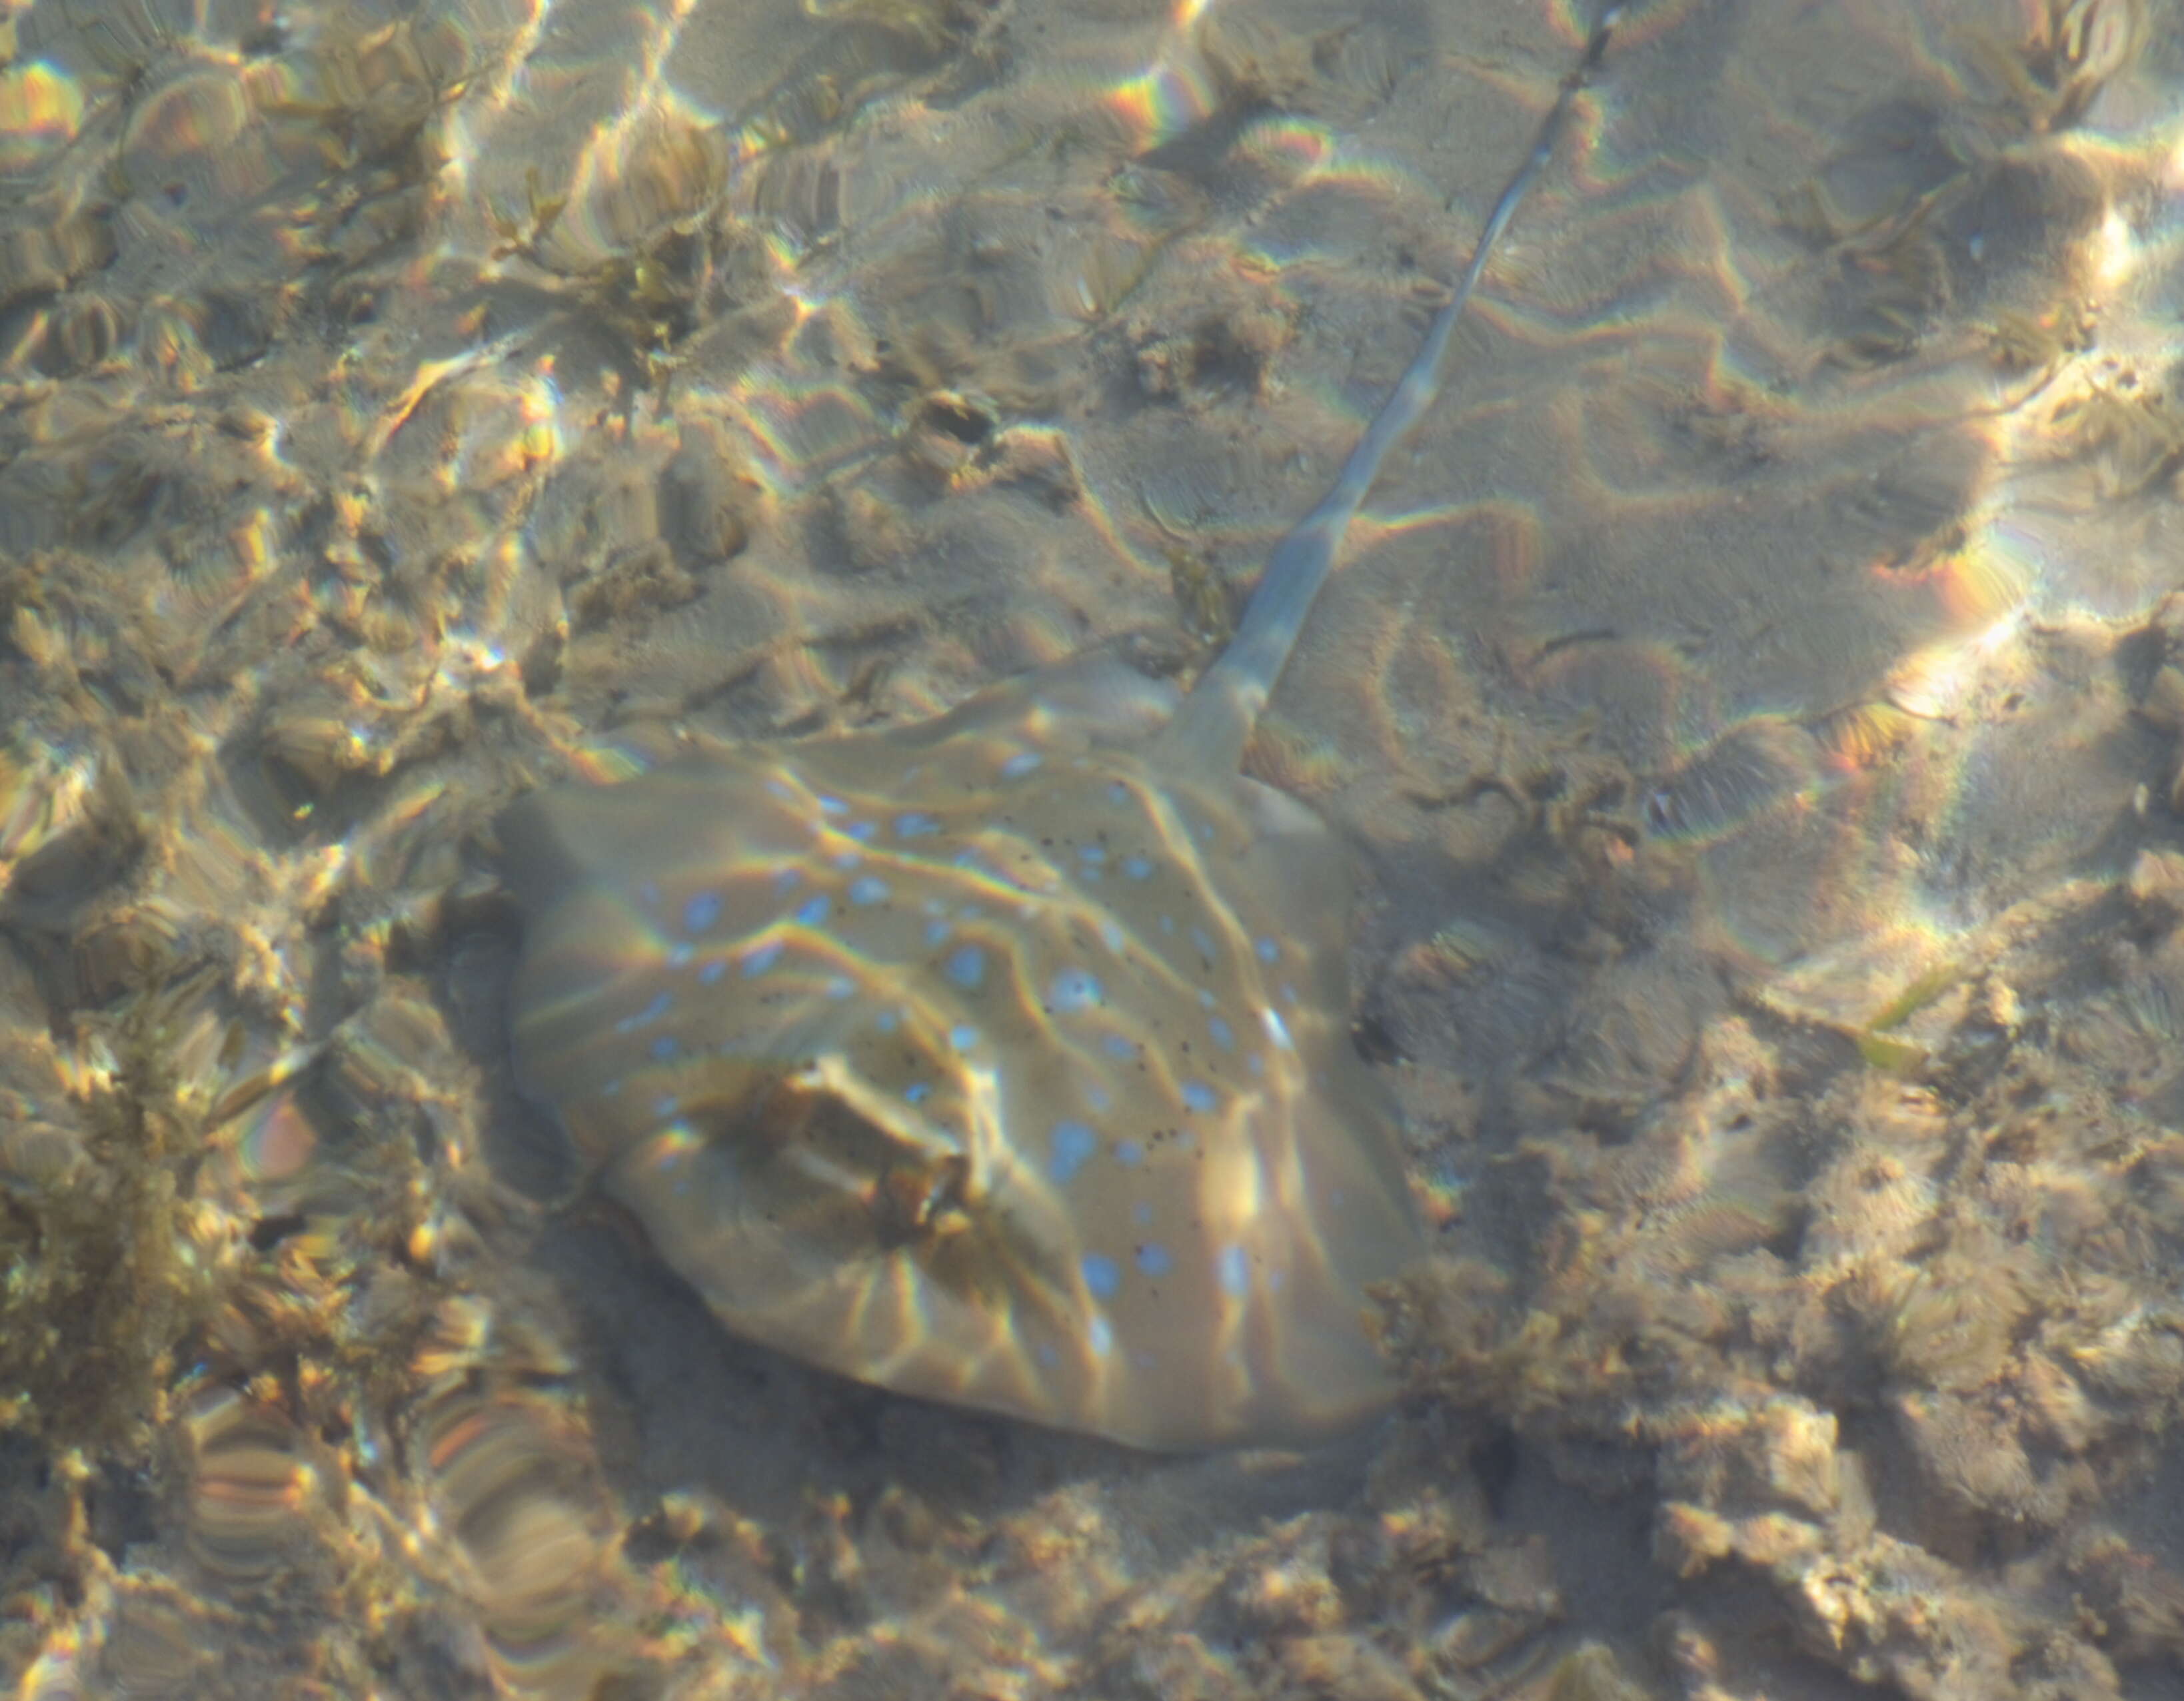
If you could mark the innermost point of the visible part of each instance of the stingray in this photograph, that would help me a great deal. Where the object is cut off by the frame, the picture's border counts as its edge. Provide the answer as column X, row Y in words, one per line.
column 1002, row 1059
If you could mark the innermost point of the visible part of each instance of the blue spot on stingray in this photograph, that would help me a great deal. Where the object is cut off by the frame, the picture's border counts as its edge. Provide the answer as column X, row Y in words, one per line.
column 1118, row 792
column 840, row 987
column 1022, row 762
column 1070, row 1146
column 661, row 1004
column 915, row 826
column 679, row 953
column 786, row 878
column 1204, row 942
column 918, row 1091
column 667, row 1104
column 1092, row 853
column 1267, row 948
column 814, row 910
column 781, row 789
column 701, row 912
column 1073, row 990
column 848, row 858
column 1198, row 1096
column 1099, row 1098
column 887, row 1021
column 1099, row 1335
column 1233, row 1271
column 1223, row 1035
column 1111, row 935
column 1138, row 867
column 710, row 973
column 758, row 961
column 966, row 968
column 871, row 889
column 860, row 831
column 935, row 931
column 1101, row 1275
column 666, row 1047
column 833, row 806
column 1129, row 1153
column 1117, row 1048
column 1153, row 1259
column 962, row 1037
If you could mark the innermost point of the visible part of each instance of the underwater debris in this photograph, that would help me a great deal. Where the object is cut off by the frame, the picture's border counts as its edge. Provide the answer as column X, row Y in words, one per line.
column 2128, row 426
column 1205, row 600
column 2020, row 340
column 947, row 430
column 2071, row 50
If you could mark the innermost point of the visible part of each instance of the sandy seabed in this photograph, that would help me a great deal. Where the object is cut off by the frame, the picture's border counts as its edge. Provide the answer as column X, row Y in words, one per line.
column 1753, row 698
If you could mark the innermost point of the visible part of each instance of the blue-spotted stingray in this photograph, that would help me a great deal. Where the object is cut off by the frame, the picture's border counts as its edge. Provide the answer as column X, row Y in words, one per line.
column 1002, row 1059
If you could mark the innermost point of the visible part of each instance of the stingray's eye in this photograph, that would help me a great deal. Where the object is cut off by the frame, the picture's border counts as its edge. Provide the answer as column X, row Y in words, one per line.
column 820, row 1134
column 921, row 1200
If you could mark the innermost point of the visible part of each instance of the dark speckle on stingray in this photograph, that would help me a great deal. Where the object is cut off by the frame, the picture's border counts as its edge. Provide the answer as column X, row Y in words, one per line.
column 1001, row 1059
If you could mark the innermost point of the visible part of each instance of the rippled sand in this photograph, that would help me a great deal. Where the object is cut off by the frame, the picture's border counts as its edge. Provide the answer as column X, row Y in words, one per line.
column 1756, row 695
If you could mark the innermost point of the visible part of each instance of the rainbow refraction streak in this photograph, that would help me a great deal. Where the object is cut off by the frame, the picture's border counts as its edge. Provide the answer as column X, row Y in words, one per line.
column 1001, row 1059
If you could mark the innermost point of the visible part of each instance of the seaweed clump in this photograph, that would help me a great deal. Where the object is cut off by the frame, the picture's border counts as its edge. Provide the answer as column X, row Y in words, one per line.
column 108, row 1268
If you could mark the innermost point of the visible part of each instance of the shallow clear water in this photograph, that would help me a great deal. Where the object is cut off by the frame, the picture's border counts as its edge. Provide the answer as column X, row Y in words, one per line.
column 1750, row 697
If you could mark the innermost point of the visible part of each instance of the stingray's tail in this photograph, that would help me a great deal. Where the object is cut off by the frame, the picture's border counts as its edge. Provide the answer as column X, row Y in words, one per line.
column 1215, row 720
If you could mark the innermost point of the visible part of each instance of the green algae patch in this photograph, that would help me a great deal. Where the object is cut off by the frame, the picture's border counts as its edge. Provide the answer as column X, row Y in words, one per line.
column 1890, row 1055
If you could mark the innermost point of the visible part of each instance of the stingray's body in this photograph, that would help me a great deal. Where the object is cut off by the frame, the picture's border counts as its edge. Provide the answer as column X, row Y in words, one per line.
column 994, row 1059
column 1002, row 1059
